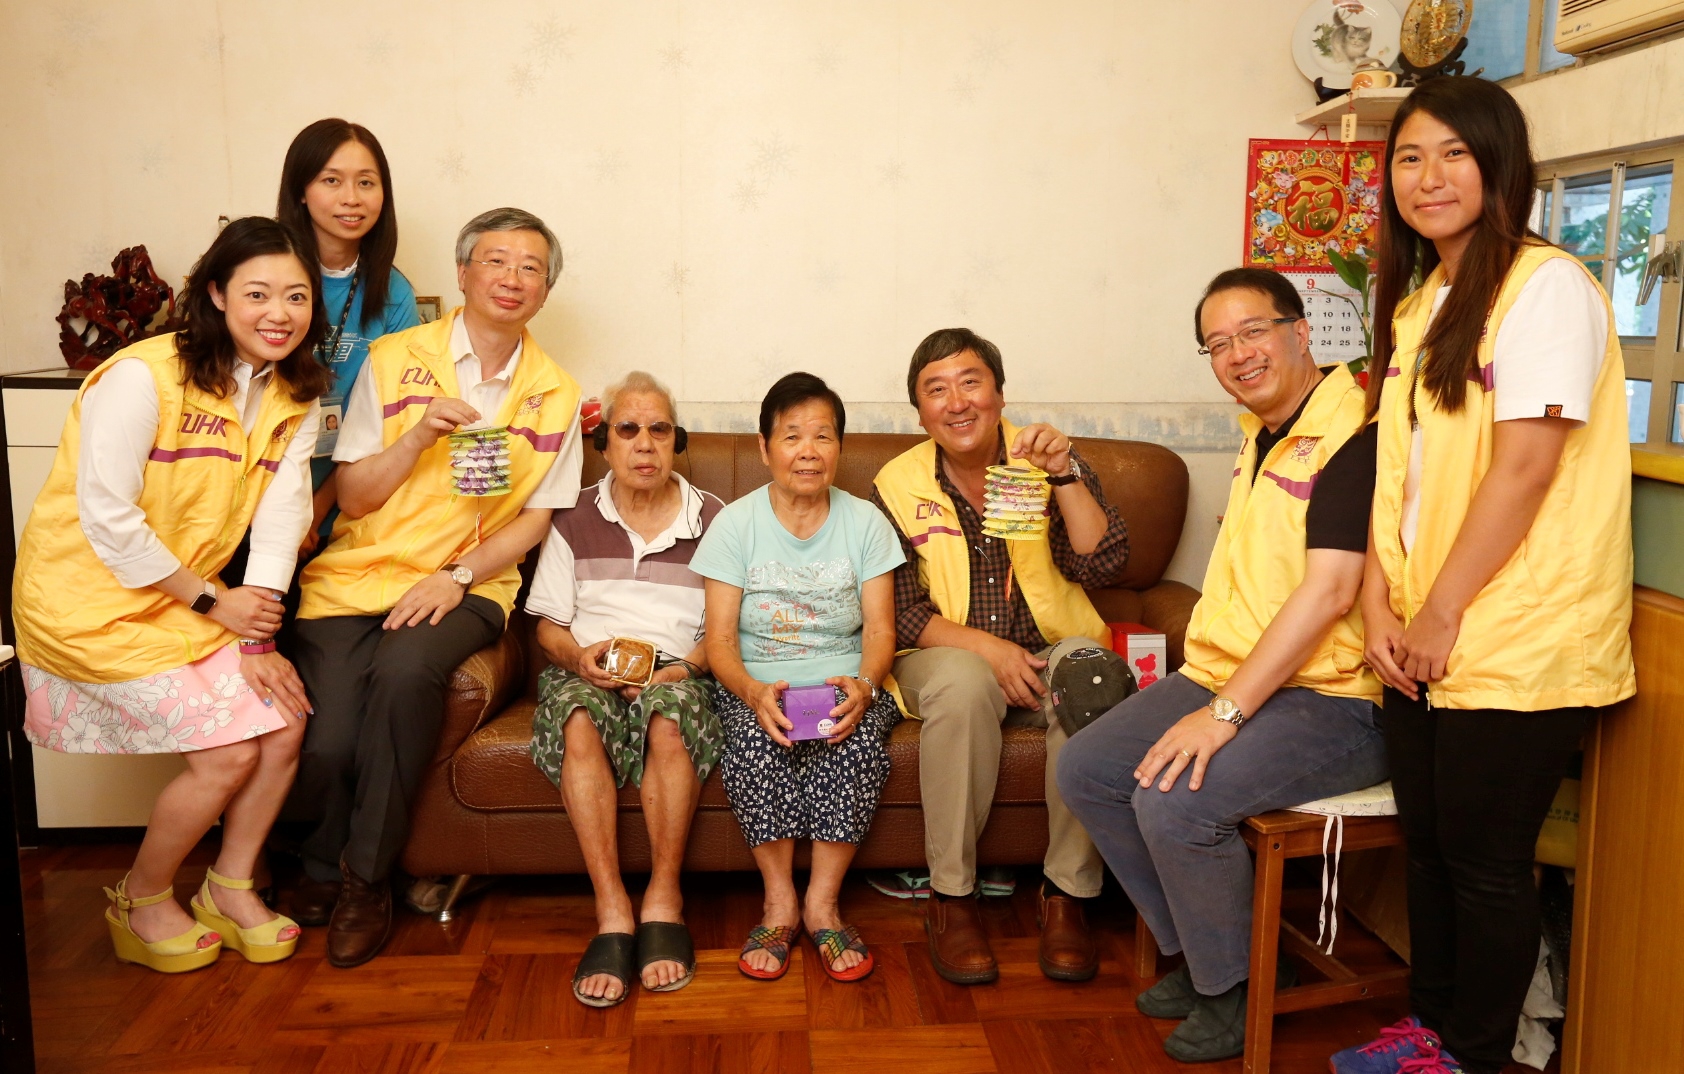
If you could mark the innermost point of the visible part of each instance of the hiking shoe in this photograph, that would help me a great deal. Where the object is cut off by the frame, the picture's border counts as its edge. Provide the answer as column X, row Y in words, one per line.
column 1174, row 996
column 1214, row 1030
column 902, row 885
column 1439, row 1062
column 1397, row 1044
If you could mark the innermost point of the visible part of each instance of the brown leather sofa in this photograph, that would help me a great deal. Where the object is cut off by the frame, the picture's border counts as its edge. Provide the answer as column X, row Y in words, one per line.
column 485, row 809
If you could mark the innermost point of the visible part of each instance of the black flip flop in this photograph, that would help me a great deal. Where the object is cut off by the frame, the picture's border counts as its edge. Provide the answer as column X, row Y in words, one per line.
column 613, row 953
column 666, row 941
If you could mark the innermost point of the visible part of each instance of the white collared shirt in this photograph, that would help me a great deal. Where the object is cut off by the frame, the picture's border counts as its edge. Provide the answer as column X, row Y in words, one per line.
column 119, row 430
column 361, row 430
column 592, row 578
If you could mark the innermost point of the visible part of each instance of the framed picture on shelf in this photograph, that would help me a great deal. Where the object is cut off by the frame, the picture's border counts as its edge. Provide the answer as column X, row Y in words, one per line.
column 431, row 307
column 1305, row 197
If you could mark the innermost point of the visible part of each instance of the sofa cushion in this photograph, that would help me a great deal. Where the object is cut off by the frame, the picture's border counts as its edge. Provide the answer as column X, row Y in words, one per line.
column 493, row 772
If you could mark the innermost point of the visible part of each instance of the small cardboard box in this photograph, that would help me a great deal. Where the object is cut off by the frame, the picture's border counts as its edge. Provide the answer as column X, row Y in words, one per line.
column 808, row 708
column 1146, row 651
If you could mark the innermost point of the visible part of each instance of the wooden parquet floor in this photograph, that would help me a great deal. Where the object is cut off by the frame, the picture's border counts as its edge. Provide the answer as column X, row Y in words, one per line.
column 489, row 994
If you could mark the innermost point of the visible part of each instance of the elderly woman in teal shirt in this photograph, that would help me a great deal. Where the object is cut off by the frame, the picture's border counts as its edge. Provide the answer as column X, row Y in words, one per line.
column 800, row 593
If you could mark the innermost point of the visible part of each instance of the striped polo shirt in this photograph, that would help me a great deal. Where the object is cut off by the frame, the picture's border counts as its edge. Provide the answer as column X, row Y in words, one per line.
column 598, row 578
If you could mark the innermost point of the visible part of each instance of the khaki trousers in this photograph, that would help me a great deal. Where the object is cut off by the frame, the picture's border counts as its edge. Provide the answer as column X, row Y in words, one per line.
column 954, row 693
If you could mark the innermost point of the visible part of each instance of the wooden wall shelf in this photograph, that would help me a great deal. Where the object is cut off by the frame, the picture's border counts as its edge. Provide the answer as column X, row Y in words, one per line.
column 1374, row 107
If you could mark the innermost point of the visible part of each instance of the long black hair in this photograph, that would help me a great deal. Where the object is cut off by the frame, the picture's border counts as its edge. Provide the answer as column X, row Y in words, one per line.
column 1493, row 127
column 206, row 347
column 306, row 157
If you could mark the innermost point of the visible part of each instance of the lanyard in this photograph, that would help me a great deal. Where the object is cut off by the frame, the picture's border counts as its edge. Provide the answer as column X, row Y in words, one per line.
column 328, row 347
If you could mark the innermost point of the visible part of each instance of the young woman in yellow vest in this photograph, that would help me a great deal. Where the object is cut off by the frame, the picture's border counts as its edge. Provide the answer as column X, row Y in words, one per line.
column 129, row 639
column 1497, row 597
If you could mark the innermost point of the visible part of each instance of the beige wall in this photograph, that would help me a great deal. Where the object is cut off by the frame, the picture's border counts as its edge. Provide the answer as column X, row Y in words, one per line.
column 742, row 188
column 1622, row 101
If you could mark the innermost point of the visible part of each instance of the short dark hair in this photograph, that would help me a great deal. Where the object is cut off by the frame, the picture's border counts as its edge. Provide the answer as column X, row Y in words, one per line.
column 1266, row 282
column 206, row 347
column 308, row 154
column 790, row 392
column 944, row 343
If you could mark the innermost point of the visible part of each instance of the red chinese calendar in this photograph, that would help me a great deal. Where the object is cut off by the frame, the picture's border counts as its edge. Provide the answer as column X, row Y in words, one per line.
column 1306, row 197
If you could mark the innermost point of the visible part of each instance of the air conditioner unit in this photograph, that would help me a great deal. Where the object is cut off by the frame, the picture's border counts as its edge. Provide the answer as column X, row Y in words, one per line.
column 1585, row 26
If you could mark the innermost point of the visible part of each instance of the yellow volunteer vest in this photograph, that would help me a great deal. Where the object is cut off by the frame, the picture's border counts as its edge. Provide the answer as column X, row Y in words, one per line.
column 1259, row 558
column 203, row 482
column 1551, row 628
column 372, row 561
column 908, row 486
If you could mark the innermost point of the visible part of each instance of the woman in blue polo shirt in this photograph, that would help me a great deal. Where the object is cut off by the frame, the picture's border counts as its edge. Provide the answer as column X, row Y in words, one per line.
column 336, row 189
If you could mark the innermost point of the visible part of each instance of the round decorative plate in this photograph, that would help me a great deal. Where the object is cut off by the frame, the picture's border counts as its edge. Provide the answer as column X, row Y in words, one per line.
column 1431, row 29
column 1335, row 37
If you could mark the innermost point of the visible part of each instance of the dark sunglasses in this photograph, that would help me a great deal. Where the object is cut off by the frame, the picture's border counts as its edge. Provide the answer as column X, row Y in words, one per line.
column 628, row 430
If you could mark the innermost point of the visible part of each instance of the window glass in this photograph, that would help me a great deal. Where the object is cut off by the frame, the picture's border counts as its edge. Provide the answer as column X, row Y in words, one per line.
column 1584, row 218
column 1497, row 38
column 1645, row 206
column 1548, row 58
column 1637, row 410
column 1677, row 414
column 1540, row 218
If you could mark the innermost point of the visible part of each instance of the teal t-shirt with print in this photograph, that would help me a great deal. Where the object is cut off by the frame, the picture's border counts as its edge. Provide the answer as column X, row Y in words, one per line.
column 348, row 358
column 801, row 614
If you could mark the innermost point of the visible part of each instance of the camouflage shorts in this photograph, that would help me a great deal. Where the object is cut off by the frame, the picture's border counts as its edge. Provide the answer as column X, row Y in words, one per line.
column 623, row 725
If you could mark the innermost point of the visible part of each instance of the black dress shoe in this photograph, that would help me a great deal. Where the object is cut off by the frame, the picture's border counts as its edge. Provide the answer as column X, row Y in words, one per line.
column 312, row 901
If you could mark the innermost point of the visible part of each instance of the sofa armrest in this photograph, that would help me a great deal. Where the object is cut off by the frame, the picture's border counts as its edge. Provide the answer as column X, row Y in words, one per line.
column 481, row 687
column 1167, row 607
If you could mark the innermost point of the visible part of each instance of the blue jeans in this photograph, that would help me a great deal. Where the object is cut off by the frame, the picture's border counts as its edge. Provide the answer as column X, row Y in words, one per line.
column 1179, row 853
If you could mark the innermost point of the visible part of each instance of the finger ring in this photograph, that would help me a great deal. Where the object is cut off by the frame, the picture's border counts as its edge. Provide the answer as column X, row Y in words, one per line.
column 1184, row 753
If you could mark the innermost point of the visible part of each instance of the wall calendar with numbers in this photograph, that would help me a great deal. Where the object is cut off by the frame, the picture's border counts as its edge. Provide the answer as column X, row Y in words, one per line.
column 1335, row 327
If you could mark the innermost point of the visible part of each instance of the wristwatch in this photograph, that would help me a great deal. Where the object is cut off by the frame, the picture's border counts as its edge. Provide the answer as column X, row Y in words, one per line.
column 876, row 691
column 205, row 601
column 459, row 574
column 1071, row 477
column 1225, row 710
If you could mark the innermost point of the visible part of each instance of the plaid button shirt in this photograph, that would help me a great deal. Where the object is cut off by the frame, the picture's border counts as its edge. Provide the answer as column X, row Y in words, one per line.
column 991, row 609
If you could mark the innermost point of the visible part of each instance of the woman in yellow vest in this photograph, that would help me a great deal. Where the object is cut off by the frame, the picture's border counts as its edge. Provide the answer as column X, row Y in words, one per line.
column 130, row 641
column 1497, row 597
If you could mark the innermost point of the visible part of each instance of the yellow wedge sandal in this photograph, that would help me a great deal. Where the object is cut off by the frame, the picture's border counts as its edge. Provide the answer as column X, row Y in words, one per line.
column 258, row 944
column 178, row 954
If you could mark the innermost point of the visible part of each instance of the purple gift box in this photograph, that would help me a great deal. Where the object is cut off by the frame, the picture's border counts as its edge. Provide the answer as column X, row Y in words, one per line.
column 808, row 708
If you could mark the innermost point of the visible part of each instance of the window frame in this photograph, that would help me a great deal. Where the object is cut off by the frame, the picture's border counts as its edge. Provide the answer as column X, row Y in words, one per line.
column 1656, row 359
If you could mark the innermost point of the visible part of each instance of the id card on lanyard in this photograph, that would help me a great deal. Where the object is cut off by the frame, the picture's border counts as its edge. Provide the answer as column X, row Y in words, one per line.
column 332, row 352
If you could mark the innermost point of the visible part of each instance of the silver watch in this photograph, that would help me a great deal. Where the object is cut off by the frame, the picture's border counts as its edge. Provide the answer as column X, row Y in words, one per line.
column 459, row 574
column 1225, row 710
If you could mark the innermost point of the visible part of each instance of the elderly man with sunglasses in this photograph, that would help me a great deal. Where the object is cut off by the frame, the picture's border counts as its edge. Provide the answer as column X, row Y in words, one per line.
column 618, row 566
column 421, row 569
column 1275, row 706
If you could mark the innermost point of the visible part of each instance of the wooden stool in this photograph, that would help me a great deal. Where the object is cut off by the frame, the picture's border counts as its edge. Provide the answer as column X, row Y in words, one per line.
column 1275, row 837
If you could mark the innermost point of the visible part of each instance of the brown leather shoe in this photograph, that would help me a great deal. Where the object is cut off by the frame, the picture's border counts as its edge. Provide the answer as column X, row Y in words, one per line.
column 958, row 946
column 361, row 923
column 1069, row 951
column 311, row 901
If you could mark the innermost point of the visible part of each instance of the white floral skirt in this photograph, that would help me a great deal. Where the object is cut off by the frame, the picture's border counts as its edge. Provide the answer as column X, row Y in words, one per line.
column 197, row 707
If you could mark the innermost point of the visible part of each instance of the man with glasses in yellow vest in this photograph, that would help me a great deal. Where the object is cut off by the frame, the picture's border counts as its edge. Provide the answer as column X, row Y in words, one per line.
column 421, row 569
column 1274, row 706
column 987, row 621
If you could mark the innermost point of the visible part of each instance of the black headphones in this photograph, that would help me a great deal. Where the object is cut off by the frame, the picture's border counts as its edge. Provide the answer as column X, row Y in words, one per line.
column 680, row 438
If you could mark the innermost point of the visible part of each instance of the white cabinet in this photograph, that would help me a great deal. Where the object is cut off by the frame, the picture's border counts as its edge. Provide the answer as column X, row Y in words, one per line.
column 71, row 791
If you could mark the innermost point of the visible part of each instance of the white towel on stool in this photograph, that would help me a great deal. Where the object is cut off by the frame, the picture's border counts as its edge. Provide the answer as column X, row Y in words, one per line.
column 1375, row 801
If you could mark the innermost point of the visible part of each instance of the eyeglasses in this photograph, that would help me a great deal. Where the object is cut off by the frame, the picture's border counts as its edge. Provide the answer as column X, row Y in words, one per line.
column 1251, row 335
column 526, row 273
column 628, row 430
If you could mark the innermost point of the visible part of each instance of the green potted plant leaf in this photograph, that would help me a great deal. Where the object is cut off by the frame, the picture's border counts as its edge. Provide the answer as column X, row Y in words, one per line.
column 1358, row 277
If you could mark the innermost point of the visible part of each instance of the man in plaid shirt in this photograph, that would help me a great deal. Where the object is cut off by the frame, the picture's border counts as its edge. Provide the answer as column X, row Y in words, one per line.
column 989, row 618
